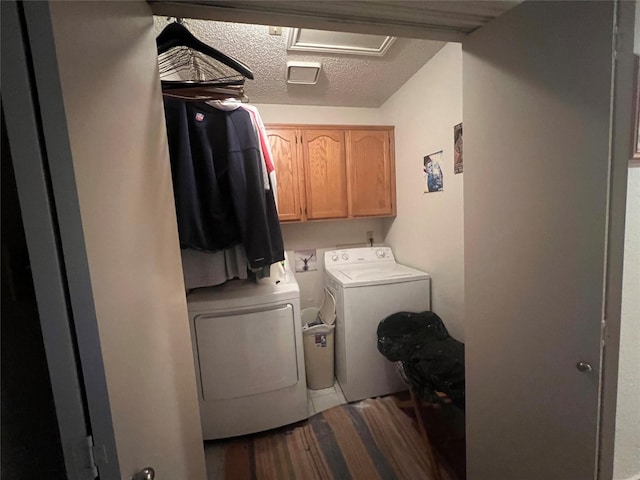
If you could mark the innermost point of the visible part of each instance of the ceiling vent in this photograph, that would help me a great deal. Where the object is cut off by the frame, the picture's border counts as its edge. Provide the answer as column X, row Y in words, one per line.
column 305, row 73
column 307, row 40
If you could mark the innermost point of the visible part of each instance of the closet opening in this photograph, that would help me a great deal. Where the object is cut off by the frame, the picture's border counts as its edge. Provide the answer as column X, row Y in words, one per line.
column 330, row 196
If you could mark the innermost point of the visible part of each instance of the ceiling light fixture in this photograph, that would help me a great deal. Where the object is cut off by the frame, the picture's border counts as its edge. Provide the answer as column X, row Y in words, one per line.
column 305, row 73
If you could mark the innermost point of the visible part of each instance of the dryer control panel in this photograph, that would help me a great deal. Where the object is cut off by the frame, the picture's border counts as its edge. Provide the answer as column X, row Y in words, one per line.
column 352, row 256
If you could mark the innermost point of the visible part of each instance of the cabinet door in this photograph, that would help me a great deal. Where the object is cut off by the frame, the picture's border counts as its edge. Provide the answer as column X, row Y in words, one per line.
column 288, row 173
column 371, row 172
column 325, row 173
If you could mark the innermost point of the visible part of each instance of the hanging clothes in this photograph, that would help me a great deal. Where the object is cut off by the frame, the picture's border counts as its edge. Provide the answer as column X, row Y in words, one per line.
column 261, row 132
column 266, row 147
column 218, row 176
column 205, row 269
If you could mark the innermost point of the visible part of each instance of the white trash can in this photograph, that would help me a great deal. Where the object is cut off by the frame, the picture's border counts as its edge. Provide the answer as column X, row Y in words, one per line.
column 318, row 339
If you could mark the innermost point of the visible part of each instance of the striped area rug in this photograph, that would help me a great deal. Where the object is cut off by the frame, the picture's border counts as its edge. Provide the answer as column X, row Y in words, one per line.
column 369, row 440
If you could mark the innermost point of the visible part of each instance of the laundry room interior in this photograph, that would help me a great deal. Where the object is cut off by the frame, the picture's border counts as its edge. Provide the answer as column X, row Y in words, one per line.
column 391, row 91
column 344, row 311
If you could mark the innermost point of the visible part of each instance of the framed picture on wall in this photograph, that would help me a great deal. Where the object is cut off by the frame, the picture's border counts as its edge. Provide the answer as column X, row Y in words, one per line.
column 457, row 148
column 305, row 260
column 433, row 181
column 635, row 158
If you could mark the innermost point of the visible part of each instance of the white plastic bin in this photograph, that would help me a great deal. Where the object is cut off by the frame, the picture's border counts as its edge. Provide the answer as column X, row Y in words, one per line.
column 318, row 339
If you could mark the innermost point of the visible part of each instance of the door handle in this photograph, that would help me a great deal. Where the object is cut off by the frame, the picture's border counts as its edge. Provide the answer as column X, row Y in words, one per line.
column 584, row 367
column 147, row 473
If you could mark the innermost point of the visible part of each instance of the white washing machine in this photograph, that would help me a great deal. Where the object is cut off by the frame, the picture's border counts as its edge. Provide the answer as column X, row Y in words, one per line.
column 248, row 354
column 369, row 286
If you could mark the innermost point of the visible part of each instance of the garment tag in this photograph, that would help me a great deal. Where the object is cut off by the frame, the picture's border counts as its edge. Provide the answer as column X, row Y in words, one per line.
column 321, row 341
column 199, row 117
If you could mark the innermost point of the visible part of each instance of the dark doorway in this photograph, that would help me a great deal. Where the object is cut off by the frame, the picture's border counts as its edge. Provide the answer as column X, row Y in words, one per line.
column 31, row 446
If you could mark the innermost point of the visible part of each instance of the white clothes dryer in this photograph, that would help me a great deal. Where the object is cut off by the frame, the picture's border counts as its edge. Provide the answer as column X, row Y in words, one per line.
column 248, row 354
column 368, row 286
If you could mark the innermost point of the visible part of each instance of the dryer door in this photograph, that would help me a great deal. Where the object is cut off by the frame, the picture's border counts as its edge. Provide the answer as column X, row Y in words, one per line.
column 246, row 353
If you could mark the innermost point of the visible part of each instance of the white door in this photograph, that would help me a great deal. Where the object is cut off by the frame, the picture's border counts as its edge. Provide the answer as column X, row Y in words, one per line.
column 98, row 91
column 537, row 125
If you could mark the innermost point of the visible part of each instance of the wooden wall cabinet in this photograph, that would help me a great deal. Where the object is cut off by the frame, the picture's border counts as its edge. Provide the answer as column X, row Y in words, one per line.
column 371, row 172
column 290, row 188
column 332, row 172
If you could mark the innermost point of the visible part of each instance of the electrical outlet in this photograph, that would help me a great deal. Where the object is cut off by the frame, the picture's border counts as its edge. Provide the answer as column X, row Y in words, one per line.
column 370, row 238
column 275, row 30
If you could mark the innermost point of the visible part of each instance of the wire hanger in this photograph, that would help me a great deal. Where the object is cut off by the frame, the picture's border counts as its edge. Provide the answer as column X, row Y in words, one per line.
column 203, row 94
column 185, row 62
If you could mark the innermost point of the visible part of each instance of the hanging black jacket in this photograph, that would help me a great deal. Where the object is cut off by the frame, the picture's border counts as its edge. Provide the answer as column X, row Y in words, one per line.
column 218, row 182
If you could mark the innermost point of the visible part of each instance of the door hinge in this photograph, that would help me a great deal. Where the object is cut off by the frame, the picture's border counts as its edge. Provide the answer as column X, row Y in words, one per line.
column 92, row 456
column 97, row 455
column 84, row 459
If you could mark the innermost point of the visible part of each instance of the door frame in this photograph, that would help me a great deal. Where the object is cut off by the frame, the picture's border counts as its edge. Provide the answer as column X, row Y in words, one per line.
column 621, row 125
column 39, row 143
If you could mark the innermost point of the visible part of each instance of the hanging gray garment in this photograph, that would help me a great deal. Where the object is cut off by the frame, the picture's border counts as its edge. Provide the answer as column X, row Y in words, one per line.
column 203, row 269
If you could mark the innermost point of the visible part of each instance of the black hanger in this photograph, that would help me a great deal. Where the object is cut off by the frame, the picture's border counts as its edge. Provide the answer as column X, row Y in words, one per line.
column 176, row 35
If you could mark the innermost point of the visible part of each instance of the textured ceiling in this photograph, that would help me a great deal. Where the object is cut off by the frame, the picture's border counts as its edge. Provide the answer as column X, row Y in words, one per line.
column 345, row 80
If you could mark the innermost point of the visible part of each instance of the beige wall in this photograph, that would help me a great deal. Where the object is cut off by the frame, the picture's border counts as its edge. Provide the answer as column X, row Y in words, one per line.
column 107, row 60
column 318, row 115
column 627, row 449
column 428, row 231
column 627, row 446
column 627, row 441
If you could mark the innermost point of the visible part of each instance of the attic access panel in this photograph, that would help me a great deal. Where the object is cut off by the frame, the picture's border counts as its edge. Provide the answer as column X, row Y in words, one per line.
column 309, row 40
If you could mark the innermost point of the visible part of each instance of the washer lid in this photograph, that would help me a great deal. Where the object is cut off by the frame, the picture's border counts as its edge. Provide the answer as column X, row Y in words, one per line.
column 360, row 275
